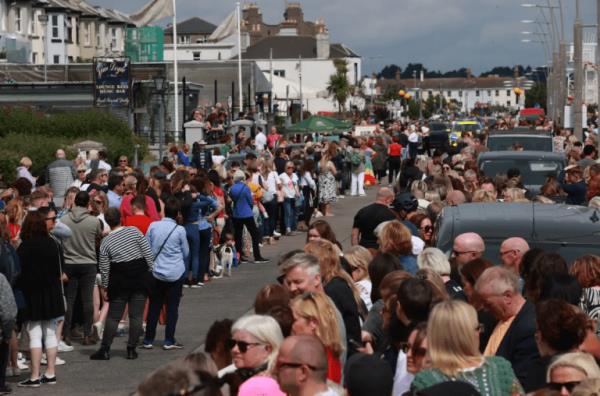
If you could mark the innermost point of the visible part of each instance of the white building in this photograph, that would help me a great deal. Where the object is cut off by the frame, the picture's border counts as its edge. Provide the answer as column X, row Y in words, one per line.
column 590, row 72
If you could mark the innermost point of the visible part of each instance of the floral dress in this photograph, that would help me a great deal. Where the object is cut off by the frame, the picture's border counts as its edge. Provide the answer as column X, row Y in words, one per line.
column 327, row 186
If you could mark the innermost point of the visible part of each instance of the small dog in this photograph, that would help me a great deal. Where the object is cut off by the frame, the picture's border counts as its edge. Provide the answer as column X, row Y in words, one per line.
column 223, row 260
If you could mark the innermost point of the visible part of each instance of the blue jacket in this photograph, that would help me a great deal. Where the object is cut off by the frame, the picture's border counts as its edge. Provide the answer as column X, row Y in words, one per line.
column 410, row 264
column 242, row 200
column 194, row 209
column 169, row 264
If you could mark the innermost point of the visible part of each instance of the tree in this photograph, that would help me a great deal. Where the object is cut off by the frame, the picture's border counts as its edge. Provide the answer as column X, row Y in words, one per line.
column 389, row 72
column 339, row 87
column 536, row 96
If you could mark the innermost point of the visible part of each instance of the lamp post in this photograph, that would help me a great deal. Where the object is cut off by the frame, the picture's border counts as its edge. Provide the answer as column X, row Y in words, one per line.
column 578, row 73
column 43, row 18
column 160, row 86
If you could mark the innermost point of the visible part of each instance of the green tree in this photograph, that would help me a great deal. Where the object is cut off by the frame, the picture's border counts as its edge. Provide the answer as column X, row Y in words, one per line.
column 339, row 87
column 536, row 95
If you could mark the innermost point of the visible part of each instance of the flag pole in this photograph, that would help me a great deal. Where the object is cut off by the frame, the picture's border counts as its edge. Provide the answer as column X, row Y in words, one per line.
column 239, row 42
column 175, row 74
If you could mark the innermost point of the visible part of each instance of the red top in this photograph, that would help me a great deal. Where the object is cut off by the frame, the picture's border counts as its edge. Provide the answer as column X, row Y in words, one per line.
column 127, row 211
column 14, row 229
column 395, row 150
column 141, row 222
column 334, row 367
column 221, row 198
column 272, row 139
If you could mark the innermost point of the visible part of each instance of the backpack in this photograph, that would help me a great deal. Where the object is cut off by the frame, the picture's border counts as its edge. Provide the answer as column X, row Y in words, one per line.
column 355, row 158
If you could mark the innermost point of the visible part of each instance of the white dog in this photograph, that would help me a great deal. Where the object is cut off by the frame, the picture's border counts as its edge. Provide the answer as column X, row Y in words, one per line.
column 223, row 260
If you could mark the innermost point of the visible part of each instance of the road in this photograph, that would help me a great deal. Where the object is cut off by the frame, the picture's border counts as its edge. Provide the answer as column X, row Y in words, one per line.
column 219, row 299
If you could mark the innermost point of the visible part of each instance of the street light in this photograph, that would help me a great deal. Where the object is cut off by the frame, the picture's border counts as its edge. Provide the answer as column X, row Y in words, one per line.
column 161, row 84
column 43, row 18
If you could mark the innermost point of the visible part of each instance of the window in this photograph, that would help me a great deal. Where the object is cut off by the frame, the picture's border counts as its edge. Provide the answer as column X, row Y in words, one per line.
column 86, row 33
column 489, row 92
column 508, row 103
column 497, row 92
column 54, row 22
column 279, row 73
column 219, row 56
column 184, row 39
column 196, row 55
column 508, row 93
column 113, row 38
column 460, row 94
column 18, row 20
column 70, row 59
column 477, row 93
column 34, row 57
column 56, row 59
column 430, row 93
column 449, row 93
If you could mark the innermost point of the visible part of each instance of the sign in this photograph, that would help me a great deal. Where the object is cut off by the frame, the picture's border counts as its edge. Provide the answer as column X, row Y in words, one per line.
column 112, row 82
column 364, row 130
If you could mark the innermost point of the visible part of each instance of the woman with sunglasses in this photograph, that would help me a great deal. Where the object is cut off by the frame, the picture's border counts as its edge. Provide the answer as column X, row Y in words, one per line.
column 314, row 314
column 424, row 226
column 568, row 370
column 453, row 348
column 358, row 258
column 413, row 353
column 254, row 345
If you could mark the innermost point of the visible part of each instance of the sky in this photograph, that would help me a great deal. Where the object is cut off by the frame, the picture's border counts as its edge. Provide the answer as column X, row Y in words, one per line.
column 442, row 34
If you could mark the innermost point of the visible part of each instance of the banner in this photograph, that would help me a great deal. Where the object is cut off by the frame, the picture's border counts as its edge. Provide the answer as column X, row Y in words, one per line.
column 153, row 11
column 226, row 28
column 112, row 82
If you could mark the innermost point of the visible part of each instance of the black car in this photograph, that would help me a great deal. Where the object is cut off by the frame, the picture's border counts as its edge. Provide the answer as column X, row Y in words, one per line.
column 572, row 231
column 439, row 136
column 527, row 140
column 534, row 166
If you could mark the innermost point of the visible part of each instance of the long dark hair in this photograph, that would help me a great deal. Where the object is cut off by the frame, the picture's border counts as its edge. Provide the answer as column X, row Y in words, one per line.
column 34, row 225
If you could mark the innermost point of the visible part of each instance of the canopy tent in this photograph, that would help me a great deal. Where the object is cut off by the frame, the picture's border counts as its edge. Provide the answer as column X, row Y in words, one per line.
column 280, row 84
column 319, row 124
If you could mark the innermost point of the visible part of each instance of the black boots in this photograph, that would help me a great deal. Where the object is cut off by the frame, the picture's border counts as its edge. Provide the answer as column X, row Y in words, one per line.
column 101, row 354
column 131, row 353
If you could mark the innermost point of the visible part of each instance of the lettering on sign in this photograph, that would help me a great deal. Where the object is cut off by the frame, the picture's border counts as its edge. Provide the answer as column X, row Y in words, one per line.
column 112, row 82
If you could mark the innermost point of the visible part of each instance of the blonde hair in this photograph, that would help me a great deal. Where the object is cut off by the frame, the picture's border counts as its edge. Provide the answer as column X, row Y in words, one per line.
column 452, row 337
column 581, row 361
column 359, row 256
column 587, row 387
column 434, row 259
column 265, row 329
column 483, row 196
column 515, row 194
column 317, row 307
column 26, row 162
column 395, row 238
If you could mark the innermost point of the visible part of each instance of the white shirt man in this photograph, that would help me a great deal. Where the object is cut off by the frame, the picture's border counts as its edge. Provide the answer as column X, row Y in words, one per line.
column 260, row 141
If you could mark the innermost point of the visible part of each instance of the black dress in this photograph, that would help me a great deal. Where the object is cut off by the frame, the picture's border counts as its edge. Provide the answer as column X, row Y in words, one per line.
column 40, row 278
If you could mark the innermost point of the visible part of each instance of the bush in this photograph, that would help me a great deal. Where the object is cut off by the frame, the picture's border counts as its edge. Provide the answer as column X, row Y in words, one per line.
column 25, row 132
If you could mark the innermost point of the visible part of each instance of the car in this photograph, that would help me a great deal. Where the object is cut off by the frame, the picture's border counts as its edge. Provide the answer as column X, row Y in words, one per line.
column 439, row 135
column 459, row 127
column 528, row 140
column 572, row 231
column 534, row 166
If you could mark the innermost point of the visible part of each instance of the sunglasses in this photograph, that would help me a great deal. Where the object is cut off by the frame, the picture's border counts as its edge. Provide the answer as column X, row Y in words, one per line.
column 569, row 386
column 419, row 351
column 427, row 228
column 280, row 365
column 242, row 345
column 80, row 171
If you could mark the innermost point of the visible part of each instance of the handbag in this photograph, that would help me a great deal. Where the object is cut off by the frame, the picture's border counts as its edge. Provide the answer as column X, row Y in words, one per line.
column 267, row 195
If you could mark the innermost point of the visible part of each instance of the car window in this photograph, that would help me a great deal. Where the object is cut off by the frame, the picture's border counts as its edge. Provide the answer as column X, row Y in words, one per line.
column 499, row 143
column 532, row 172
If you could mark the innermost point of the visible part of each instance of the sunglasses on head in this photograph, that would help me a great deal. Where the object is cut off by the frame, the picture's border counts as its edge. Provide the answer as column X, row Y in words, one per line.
column 242, row 345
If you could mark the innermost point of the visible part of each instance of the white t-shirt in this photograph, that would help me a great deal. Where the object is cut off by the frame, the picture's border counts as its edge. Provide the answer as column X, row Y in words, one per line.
column 288, row 184
column 260, row 141
column 364, row 287
column 272, row 182
column 218, row 159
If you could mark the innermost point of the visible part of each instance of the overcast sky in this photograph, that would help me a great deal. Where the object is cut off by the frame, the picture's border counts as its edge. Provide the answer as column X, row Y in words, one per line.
column 442, row 34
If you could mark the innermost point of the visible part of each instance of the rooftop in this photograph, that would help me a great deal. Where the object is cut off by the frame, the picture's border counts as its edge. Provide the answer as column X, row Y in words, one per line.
column 291, row 47
column 193, row 25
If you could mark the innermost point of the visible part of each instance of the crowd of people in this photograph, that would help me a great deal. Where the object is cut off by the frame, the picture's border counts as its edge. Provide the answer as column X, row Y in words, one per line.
column 85, row 244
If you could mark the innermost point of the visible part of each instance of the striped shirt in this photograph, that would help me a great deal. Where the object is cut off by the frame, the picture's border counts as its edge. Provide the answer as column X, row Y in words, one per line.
column 121, row 245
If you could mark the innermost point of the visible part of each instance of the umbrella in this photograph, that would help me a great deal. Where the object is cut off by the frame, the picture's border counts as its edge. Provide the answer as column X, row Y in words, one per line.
column 318, row 124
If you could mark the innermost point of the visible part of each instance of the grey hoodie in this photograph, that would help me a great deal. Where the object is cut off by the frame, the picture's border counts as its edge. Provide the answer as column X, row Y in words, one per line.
column 81, row 247
column 8, row 310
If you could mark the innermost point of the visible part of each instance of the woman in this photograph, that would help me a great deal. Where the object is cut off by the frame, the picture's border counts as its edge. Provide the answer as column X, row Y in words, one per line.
column 320, row 229
column 424, row 226
column 309, row 190
column 453, row 348
column 380, row 158
column 98, row 206
column 546, row 265
column 358, row 258
column 339, row 286
column 369, row 179
column 327, row 181
column 15, row 213
column 288, row 185
column 568, row 370
column 68, row 202
column 23, row 170
column 270, row 179
column 254, row 345
column 40, row 281
column 396, row 239
column 394, row 155
column 314, row 314
column 357, row 167
column 207, row 208
column 586, row 270
column 435, row 260
column 414, row 353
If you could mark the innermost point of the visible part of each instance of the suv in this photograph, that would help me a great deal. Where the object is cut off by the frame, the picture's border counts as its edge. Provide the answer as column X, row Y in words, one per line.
column 571, row 231
column 439, row 134
column 534, row 166
column 529, row 140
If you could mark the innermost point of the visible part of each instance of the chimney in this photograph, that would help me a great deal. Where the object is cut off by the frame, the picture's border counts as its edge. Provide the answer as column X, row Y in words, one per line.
column 397, row 76
column 469, row 73
column 323, row 45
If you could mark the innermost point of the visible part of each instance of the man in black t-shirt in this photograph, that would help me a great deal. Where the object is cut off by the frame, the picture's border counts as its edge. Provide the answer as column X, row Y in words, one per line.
column 369, row 217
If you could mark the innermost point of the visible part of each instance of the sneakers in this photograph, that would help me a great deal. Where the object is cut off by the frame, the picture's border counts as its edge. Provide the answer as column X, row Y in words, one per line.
column 48, row 380
column 261, row 260
column 12, row 372
column 29, row 383
column 62, row 347
column 276, row 234
column 245, row 260
column 197, row 285
column 170, row 347
column 147, row 345
column 5, row 390
column 59, row 361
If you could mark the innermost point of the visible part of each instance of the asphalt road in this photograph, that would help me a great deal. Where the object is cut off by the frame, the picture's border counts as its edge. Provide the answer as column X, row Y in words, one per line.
column 219, row 299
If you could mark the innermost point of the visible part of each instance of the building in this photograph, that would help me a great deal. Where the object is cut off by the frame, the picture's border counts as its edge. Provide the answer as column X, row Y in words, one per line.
column 590, row 73
column 193, row 43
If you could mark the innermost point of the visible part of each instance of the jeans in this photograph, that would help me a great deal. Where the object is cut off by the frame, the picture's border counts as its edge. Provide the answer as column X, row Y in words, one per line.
column 136, row 302
column 358, row 183
column 238, row 229
column 169, row 293
column 205, row 237
column 3, row 362
column 193, row 237
column 393, row 167
column 81, row 278
column 289, row 214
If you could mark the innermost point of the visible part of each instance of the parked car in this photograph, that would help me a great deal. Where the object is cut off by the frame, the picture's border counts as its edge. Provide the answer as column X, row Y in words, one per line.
column 459, row 127
column 528, row 140
column 439, row 136
column 534, row 166
column 571, row 231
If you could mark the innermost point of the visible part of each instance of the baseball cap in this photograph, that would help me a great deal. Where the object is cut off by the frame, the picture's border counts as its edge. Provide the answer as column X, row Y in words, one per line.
column 405, row 201
column 367, row 375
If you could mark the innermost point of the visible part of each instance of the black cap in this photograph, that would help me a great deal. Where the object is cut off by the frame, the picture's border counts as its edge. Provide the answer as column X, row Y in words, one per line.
column 368, row 375
column 405, row 201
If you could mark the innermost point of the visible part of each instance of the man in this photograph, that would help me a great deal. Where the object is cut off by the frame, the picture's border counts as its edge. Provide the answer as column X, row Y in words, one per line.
column 489, row 186
column 130, row 193
column 511, row 253
column 369, row 217
column 455, row 197
column 123, row 164
column 80, row 263
column 98, row 181
column 571, row 181
column 97, row 161
column 405, row 206
column 125, row 264
column 366, row 375
column 260, row 140
column 171, row 250
column 589, row 155
column 116, row 188
column 201, row 157
column 513, row 338
column 60, row 174
column 243, row 216
column 273, row 138
column 301, row 367
column 467, row 247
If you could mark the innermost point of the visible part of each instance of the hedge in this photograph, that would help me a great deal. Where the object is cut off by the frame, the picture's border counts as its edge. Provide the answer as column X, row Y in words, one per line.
column 25, row 132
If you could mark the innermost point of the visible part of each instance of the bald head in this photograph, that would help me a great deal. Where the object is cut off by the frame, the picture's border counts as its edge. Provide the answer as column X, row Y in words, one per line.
column 310, row 350
column 455, row 197
column 60, row 154
column 467, row 246
column 512, row 251
column 301, row 350
column 385, row 195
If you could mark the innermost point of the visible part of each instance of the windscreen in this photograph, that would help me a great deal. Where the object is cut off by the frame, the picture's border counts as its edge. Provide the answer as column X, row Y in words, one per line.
column 531, row 143
column 533, row 172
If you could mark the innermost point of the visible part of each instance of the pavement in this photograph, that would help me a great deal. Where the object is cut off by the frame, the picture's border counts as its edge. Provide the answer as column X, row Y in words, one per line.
column 219, row 299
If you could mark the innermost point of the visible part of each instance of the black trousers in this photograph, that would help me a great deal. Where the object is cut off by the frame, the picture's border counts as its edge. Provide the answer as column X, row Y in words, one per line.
column 238, row 228
column 81, row 278
column 393, row 168
column 3, row 362
column 308, row 204
column 136, row 301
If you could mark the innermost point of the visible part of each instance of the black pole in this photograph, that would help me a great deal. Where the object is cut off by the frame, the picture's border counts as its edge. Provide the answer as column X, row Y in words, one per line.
column 249, row 93
column 216, row 99
column 232, row 98
column 184, row 104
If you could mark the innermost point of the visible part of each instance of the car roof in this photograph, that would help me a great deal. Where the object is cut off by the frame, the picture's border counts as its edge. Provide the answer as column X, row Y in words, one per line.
column 510, row 154
column 519, row 136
